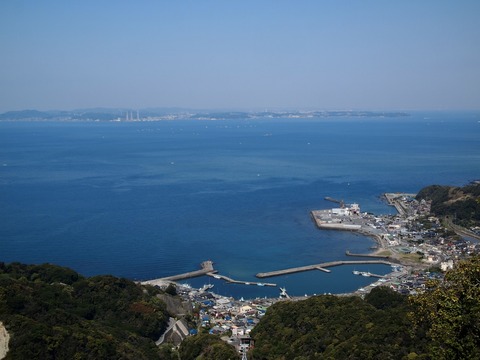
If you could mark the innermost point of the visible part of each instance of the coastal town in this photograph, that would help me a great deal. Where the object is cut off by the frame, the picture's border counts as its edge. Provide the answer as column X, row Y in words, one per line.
column 418, row 247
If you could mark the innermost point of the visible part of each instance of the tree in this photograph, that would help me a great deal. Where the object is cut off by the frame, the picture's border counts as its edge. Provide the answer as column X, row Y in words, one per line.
column 205, row 346
column 171, row 289
column 450, row 312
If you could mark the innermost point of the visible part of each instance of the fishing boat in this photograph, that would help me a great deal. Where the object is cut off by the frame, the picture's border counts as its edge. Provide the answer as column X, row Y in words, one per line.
column 206, row 287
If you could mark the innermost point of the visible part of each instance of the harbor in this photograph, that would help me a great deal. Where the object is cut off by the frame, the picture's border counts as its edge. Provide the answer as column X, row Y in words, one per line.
column 391, row 233
column 206, row 269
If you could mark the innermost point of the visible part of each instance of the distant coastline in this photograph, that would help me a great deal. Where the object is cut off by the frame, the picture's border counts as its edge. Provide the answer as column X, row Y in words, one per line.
column 130, row 115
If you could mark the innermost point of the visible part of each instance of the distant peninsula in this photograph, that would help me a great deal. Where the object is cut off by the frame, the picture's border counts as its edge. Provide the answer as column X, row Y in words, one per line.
column 158, row 114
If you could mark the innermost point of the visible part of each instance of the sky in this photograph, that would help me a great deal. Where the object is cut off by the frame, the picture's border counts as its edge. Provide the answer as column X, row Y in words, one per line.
column 240, row 55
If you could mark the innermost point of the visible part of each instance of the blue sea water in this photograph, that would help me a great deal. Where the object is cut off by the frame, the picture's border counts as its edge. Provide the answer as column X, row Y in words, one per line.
column 152, row 199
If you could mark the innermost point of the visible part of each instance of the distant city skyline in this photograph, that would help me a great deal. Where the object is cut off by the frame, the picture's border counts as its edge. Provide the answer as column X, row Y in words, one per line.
column 240, row 55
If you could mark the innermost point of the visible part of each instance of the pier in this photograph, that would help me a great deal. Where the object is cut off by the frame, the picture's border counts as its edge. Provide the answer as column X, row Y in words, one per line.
column 318, row 267
column 368, row 274
column 232, row 281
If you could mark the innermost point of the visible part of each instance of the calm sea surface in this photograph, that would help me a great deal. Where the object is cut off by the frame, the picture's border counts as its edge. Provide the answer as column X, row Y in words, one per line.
column 147, row 200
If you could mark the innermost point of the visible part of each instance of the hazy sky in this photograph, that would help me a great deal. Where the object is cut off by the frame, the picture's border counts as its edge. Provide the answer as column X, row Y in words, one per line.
column 241, row 54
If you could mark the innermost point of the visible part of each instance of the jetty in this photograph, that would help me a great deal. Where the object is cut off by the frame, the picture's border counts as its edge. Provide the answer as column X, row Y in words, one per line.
column 207, row 268
column 319, row 266
column 341, row 202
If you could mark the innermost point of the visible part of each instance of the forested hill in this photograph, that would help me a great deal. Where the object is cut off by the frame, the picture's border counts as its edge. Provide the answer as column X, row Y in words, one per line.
column 52, row 312
column 462, row 204
column 331, row 327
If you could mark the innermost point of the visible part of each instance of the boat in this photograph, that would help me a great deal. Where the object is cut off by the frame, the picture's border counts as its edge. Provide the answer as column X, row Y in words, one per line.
column 206, row 287
column 217, row 276
column 367, row 274
column 356, row 272
column 260, row 284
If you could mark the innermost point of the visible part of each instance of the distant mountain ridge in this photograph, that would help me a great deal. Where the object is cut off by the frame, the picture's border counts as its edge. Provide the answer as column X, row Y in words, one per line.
column 151, row 114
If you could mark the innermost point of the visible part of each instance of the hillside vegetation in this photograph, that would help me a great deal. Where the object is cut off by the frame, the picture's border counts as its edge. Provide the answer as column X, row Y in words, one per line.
column 330, row 327
column 462, row 204
column 52, row 312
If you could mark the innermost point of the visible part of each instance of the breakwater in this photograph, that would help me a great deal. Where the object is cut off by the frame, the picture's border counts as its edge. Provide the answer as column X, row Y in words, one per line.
column 321, row 266
column 207, row 267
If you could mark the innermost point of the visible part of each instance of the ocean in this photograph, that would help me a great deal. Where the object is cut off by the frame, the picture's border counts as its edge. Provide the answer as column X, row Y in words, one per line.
column 144, row 200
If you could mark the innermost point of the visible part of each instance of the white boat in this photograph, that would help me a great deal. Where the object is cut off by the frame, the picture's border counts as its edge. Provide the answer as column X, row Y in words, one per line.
column 260, row 284
column 356, row 272
column 206, row 287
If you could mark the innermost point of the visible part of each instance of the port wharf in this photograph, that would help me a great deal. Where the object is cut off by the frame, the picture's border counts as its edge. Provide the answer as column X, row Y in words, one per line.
column 322, row 266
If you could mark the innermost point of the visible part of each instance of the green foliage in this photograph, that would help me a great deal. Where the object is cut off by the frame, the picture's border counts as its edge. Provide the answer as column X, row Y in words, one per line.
column 52, row 312
column 47, row 273
column 450, row 311
column 171, row 289
column 460, row 203
column 205, row 346
column 382, row 297
column 436, row 193
column 167, row 352
column 330, row 327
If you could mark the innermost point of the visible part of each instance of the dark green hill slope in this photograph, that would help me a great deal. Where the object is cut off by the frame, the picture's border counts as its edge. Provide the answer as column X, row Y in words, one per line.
column 331, row 327
column 462, row 204
column 54, row 313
